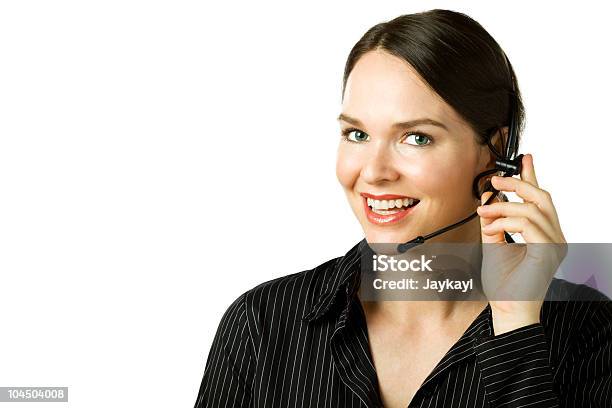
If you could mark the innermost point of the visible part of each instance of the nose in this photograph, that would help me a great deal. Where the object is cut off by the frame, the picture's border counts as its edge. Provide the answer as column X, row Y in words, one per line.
column 379, row 166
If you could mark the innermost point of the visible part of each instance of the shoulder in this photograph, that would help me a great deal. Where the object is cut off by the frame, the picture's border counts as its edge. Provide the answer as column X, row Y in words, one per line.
column 284, row 298
column 572, row 304
column 575, row 313
column 288, row 295
column 569, row 303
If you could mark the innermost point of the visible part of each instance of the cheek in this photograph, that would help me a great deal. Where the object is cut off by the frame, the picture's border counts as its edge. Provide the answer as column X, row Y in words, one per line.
column 348, row 167
column 440, row 177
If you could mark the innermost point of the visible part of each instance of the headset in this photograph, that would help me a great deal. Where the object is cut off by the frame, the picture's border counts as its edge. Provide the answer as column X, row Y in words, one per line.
column 507, row 163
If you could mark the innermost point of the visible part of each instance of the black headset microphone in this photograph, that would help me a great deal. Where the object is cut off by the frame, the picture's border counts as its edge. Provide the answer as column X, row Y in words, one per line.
column 507, row 163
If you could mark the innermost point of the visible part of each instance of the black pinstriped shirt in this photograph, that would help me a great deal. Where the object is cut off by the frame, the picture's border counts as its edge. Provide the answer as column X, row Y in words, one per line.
column 301, row 341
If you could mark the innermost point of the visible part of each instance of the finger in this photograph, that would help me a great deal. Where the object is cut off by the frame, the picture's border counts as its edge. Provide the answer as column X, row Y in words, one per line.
column 528, row 170
column 531, row 233
column 513, row 209
column 483, row 199
column 528, row 192
column 486, row 195
column 484, row 221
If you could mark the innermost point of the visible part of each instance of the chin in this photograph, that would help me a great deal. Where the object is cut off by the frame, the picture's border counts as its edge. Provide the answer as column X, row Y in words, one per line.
column 387, row 236
column 386, row 242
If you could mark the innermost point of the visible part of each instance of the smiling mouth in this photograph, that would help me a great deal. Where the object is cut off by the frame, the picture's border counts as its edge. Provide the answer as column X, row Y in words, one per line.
column 388, row 207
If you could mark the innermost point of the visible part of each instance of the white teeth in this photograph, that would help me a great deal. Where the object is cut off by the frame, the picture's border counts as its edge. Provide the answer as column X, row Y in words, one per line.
column 390, row 204
column 385, row 212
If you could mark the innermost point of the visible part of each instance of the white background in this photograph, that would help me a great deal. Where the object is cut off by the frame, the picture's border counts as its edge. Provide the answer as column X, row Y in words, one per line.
column 159, row 158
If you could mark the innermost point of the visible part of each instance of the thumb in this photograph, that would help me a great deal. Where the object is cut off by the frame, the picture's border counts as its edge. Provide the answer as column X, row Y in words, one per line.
column 497, row 237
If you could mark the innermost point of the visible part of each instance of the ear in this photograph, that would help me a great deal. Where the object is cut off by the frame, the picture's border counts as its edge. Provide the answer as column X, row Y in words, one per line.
column 496, row 141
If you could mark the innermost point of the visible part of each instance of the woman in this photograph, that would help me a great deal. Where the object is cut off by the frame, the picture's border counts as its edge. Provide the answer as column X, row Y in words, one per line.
column 421, row 95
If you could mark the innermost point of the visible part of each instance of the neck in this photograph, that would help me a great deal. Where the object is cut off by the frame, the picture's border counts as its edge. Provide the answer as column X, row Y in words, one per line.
column 423, row 315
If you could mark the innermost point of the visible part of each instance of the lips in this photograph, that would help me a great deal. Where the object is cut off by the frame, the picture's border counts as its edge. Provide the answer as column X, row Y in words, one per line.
column 386, row 219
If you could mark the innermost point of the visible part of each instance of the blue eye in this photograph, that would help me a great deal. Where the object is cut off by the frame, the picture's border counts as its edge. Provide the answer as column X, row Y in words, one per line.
column 419, row 139
column 359, row 135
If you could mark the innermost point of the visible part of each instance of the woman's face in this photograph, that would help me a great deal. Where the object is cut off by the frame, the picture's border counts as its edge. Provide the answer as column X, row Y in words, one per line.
column 433, row 160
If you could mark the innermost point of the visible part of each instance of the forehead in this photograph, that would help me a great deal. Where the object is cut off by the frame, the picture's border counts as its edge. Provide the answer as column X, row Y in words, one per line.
column 385, row 87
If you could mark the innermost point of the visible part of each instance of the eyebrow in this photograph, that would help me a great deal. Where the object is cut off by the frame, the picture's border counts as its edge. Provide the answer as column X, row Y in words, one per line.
column 398, row 125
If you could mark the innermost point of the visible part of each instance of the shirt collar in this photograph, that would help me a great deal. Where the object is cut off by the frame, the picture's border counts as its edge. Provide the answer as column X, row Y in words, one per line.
column 345, row 274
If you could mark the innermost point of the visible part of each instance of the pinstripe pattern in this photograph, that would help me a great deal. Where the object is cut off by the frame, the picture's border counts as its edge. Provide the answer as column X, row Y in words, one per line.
column 301, row 341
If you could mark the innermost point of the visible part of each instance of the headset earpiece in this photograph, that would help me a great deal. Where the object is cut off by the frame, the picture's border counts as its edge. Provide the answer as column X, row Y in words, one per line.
column 510, row 167
column 508, row 164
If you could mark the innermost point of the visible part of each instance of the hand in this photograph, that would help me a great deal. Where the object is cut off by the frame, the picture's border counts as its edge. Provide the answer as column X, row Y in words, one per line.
column 516, row 276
